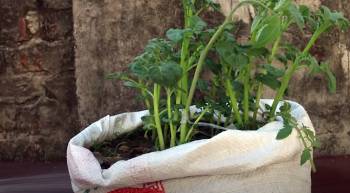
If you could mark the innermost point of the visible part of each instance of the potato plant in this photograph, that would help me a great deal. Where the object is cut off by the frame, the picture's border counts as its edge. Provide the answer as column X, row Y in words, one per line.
column 168, row 72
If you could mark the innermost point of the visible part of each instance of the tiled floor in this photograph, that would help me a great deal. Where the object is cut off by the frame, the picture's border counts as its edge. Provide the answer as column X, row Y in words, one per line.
column 333, row 176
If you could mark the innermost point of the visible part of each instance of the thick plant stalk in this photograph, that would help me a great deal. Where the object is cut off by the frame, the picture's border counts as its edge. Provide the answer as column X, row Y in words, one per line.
column 171, row 125
column 312, row 163
column 185, row 114
column 246, row 94
column 257, row 100
column 234, row 104
column 290, row 71
column 274, row 50
column 156, row 96
column 204, row 53
column 260, row 85
column 188, row 136
column 181, row 95
column 146, row 101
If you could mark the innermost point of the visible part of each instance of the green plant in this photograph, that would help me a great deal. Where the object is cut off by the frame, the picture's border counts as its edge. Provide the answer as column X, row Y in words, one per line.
column 168, row 72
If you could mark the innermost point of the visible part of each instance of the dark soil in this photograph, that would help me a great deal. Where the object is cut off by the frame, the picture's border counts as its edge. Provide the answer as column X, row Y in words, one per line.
column 136, row 143
column 122, row 148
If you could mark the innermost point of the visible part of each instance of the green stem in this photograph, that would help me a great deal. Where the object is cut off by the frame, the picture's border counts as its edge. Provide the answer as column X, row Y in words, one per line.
column 274, row 50
column 171, row 125
column 194, row 124
column 290, row 71
column 156, row 96
column 204, row 53
column 246, row 94
column 260, row 85
column 257, row 100
column 147, row 103
column 312, row 163
column 234, row 104
column 181, row 95
column 218, row 121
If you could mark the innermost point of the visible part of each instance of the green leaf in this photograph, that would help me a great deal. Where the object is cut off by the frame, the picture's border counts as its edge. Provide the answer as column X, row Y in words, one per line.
column 282, row 5
column 212, row 66
column 285, row 109
column 284, row 132
column 332, row 81
column 225, row 49
column 316, row 143
column 311, row 62
column 268, row 32
column 158, row 46
column 166, row 74
column 291, row 52
column 275, row 72
column 148, row 122
column 132, row 84
column 215, row 6
column 309, row 133
column 175, row 35
column 325, row 17
column 256, row 23
column 258, row 52
column 305, row 12
column 231, row 53
column 305, row 156
column 202, row 85
column 197, row 24
column 139, row 69
column 269, row 80
column 116, row 75
column 296, row 16
column 324, row 68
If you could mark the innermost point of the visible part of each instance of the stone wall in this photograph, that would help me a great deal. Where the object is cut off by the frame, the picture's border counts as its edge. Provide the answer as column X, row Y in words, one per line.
column 122, row 37
column 38, row 111
column 108, row 35
column 330, row 113
column 52, row 86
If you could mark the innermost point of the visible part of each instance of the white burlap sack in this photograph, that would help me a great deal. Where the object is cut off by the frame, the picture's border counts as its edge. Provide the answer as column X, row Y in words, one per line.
column 231, row 162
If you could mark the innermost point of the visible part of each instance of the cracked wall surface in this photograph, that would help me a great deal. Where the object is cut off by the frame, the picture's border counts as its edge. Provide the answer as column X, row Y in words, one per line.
column 38, row 111
column 108, row 35
column 52, row 84
column 330, row 113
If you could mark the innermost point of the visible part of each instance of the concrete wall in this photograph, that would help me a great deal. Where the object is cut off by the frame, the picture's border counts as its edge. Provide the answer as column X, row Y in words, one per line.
column 120, row 43
column 38, row 107
column 52, row 86
column 330, row 113
column 108, row 35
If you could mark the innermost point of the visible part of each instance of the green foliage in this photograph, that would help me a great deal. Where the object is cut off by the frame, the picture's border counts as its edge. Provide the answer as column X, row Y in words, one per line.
column 306, row 135
column 270, row 75
column 266, row 31
column 289, row 122
column 176, row 35
column 168, row 72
